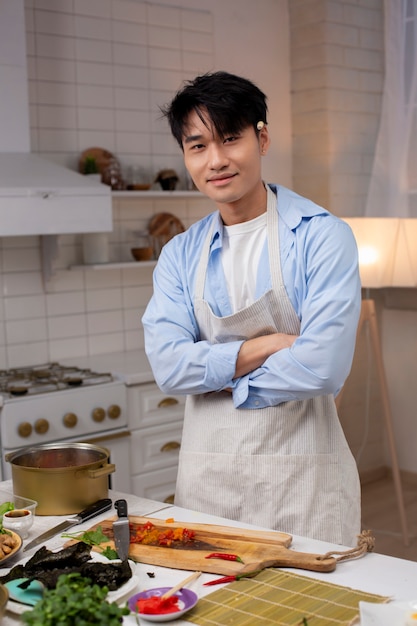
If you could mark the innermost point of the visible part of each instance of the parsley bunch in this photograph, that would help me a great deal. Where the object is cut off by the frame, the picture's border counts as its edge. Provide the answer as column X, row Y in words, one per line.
column 75, row 602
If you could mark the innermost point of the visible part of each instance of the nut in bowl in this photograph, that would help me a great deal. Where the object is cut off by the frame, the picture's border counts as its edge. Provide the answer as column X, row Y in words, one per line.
column 4, row 598
column 10, row 545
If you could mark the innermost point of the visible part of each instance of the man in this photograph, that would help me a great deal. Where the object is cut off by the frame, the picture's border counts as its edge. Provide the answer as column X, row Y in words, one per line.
column 254, row 317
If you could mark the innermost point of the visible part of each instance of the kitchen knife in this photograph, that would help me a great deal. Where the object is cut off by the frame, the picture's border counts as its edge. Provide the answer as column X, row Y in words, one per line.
column 91, row 511
column 121, row 530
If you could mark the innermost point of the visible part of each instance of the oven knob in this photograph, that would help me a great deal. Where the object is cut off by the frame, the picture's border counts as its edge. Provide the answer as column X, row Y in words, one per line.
column 98, row 414
column 114, row 411
column 41, row 426
column 24, row 429
column 70, row 420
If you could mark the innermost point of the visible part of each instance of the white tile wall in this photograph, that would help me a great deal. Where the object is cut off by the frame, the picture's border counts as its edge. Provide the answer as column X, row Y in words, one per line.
column 13, row 79
column 98, row 72
column 80, row 311
column 337, row 79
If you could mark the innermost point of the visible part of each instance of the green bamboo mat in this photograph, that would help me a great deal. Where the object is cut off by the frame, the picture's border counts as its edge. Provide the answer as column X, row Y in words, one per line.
column 277, row 598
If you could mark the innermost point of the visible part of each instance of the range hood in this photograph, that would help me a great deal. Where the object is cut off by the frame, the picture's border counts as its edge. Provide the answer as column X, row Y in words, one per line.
column 37, row 196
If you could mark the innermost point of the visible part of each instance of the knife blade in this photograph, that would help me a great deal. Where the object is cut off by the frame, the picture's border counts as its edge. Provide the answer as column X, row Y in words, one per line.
column 121, row 530
column 91, row 511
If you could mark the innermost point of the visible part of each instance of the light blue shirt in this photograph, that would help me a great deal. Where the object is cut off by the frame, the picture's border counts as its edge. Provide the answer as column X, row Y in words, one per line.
column 320, row 270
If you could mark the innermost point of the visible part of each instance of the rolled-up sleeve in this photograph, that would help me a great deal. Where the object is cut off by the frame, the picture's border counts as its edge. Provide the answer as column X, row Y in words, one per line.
column 180, row 361
column 328, row 304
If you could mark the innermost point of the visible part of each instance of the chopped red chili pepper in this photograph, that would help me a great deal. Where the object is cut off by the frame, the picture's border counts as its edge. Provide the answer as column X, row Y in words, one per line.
column 148, row 534
column 224, row 556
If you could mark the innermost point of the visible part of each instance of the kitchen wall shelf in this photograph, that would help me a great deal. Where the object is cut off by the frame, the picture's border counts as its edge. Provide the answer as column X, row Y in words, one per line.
column 153, row 193
column 113, row 266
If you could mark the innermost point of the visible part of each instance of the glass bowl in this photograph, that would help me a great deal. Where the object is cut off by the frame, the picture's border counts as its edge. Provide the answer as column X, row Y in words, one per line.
column 16, row 519
column 19, row 502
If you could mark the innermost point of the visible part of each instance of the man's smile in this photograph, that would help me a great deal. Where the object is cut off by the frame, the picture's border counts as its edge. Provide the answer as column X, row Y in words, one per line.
column 221, row 179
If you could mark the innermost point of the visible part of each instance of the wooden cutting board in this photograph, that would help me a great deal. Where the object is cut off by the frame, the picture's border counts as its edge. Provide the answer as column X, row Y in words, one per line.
column 257, row 549
column 165, row 226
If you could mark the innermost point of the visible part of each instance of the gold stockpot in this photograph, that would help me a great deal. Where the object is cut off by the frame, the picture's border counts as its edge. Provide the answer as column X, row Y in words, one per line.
column 64, row 478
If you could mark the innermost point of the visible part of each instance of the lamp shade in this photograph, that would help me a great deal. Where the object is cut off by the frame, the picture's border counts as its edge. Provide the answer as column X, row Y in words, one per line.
column 387, row 251
column 409, row 227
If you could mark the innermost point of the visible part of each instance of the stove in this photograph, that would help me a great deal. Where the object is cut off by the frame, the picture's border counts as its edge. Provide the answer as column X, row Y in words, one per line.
column 46, row 378
column 50, row 402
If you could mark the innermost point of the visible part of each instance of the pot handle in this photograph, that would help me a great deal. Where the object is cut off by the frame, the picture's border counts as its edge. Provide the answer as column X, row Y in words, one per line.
column 102, row 471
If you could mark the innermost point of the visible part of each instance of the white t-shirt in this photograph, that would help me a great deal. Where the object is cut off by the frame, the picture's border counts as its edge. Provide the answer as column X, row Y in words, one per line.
column 242, row 246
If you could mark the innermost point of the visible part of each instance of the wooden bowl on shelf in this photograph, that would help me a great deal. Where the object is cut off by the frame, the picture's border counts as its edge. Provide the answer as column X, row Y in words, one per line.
column 142, row 254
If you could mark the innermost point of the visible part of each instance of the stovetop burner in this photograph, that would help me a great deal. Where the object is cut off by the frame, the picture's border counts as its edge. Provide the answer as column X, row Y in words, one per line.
column 47, row 378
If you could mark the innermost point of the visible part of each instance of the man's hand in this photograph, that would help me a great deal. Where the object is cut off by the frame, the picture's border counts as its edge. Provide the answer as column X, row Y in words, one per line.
column 254, row 352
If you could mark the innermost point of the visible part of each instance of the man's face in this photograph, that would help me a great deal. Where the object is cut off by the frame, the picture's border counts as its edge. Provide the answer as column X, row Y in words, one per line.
column 226, row 169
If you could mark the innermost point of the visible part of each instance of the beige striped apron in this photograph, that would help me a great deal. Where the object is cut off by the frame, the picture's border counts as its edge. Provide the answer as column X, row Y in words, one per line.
column 286, row 467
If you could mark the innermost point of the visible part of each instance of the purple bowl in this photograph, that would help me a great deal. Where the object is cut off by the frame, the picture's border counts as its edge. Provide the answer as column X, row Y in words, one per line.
column 187, row 600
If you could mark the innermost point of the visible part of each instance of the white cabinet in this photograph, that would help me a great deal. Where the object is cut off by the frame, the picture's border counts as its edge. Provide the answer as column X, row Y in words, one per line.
column 155, row 423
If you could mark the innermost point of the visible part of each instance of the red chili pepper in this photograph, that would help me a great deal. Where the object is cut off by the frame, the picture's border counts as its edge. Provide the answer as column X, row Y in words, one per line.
column 230, row 579
column 225, row 557
column 219, row 581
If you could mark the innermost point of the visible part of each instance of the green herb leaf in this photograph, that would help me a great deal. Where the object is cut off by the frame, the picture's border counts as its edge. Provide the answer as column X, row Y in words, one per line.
column 94, row 538
column 109, row 553
column 6, row 506
column 90, row 537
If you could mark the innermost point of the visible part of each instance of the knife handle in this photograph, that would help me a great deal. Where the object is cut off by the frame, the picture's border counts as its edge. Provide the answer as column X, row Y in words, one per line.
column 121, row 508
column 95, row 509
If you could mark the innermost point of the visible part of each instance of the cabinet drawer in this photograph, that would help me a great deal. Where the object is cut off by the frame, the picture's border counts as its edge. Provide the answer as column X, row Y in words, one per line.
column 155, row 448
column 148, row 406
column 158, row 485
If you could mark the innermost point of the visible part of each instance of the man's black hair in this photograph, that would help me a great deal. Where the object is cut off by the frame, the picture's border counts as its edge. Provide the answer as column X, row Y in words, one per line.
column 231, row 102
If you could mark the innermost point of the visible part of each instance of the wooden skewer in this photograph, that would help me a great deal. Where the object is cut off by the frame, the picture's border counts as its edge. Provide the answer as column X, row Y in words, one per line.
column 180, row 585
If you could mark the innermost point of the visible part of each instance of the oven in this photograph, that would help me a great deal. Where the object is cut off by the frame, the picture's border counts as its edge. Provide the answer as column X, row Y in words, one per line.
column 51, row 402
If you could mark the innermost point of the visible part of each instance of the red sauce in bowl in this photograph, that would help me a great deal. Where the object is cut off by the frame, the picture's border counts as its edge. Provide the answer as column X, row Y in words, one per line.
column 156, row 605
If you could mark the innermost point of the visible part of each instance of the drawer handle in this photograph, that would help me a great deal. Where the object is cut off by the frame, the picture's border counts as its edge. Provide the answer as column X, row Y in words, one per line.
column 167, row 402
column 170, row 445
column 170, row 499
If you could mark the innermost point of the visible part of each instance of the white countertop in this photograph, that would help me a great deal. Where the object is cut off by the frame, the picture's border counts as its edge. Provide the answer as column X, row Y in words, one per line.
column 132, row 366
column 374, row 573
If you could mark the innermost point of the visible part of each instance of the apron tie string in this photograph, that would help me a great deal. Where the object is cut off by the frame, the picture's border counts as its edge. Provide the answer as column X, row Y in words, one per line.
column 366, row 543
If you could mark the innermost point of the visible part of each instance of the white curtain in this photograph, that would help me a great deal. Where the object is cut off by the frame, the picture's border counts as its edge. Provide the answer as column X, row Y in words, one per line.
column 393, row 185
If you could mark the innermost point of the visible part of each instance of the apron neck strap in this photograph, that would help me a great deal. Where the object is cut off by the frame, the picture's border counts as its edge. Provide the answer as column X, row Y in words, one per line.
column 273, row 239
